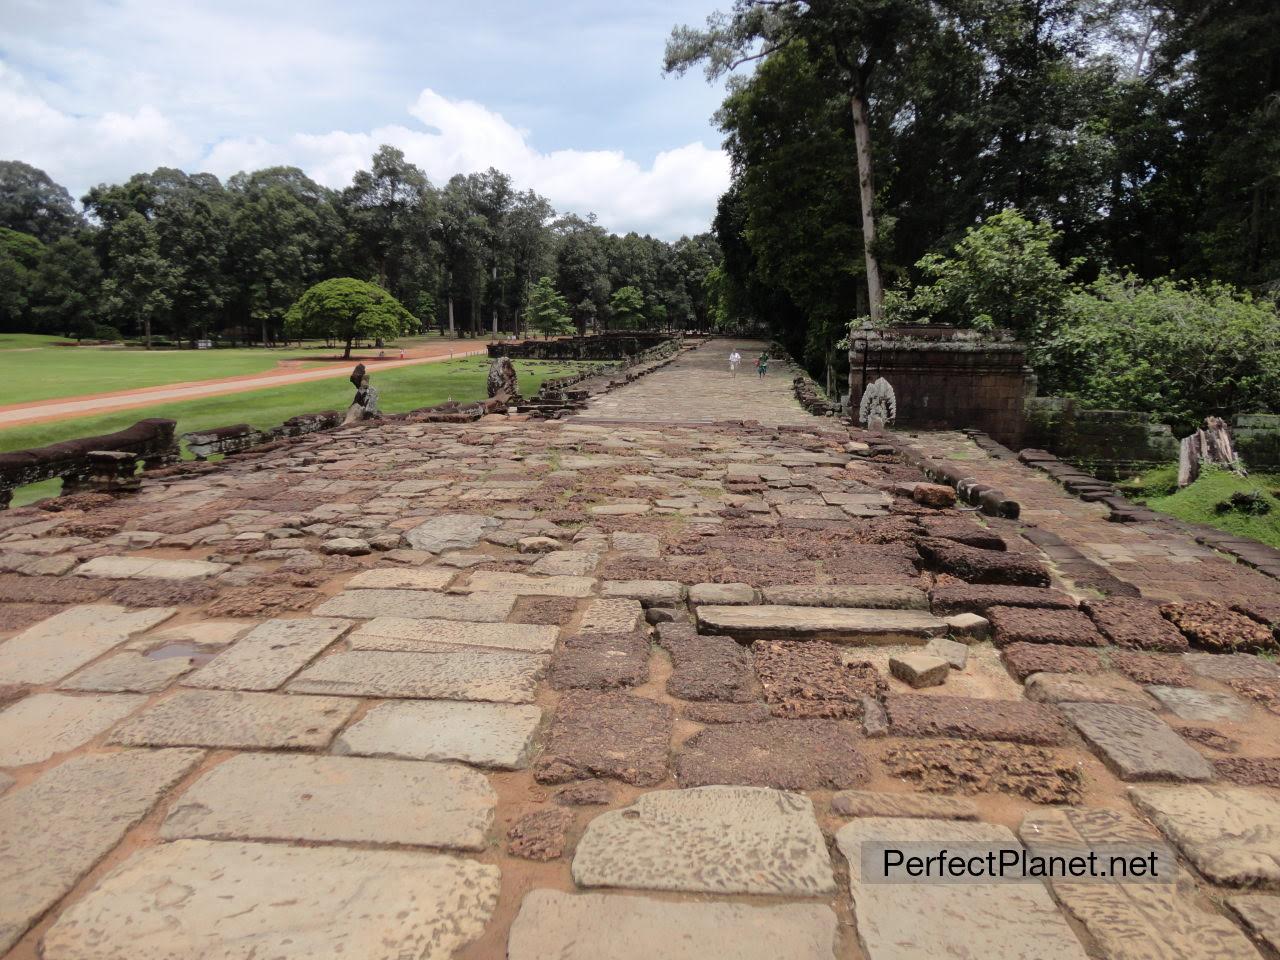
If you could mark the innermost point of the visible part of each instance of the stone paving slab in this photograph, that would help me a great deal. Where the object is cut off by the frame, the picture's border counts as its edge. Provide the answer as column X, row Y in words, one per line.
column 295, row 797
column 974, row 718
column 785, row 754
column 1202, row 705
column 955, row 921
column 612, row 616
column 870, row 597
column 231, row 718
column 525, row 585
column 1230, row 834
column 44, row 724
column 708, row 840
column 500, row 676
column 613, row 735
column 288, row 903
column 1086, row 688
column 594, row 926
column 153, row 568
column 1130, row 921
column 838, row 624
column 484, row 734
column 54, row 830
column 67, row 641
column 1135, row 744
column 402, row 578
column 565, row 563
column 434, row 636
column 1261, row 917
column 1232, row 666
column 863, row 803
column 455, row 531
column 419, row 605
column 269, row 654
column 129, row 672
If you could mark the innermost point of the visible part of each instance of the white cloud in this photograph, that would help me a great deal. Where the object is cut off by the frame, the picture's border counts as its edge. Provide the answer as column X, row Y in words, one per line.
column 675, row 194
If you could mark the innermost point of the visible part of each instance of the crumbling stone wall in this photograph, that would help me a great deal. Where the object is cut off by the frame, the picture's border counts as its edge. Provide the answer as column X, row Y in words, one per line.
column 945, row 378
column 1257, row 440
column 1105, row 443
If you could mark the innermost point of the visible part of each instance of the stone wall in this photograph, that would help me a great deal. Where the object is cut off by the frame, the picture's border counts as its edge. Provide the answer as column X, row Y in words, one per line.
column 1106, row 443
column 605, row 346
column 1257, row 440
column 944, row 378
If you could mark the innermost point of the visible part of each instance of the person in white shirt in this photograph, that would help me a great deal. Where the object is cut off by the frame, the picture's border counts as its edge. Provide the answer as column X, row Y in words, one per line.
column 735, row 359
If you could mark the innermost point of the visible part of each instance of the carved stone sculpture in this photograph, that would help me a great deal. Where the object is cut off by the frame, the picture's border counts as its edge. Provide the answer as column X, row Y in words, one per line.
column 879, row 405
column 502, row 377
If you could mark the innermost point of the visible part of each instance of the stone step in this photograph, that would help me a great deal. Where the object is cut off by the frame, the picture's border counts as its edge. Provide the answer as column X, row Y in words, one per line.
column 853, row 625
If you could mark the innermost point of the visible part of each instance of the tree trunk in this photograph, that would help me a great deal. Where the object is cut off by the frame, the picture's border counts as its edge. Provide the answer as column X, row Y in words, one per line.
column 452, row 331
column 146, row 332
column 346, row 355
column 867, row 192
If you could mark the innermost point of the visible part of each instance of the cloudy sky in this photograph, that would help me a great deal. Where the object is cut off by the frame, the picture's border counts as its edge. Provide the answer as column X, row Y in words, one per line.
column 568, row 98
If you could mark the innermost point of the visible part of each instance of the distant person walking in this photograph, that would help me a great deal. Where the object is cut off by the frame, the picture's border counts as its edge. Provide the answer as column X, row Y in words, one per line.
column 762, row 365
column 735, row 359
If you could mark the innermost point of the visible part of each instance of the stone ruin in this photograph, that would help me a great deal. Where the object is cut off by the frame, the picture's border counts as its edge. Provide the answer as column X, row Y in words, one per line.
column 502, row 378
column 364, row 406
column 879, row 407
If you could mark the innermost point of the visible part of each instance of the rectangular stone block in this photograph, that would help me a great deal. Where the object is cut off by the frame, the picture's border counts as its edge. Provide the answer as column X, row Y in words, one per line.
column 246, row 900
column 54, row 830
column 455, row 675
column 434, row 636
column 419, row 605
column 269, row 654
column 612, row 616
column 44, row 724
column 838, row 624
column 1135, row 744
column 226, row 718
column 524, row 585
column 53, row 648
column 484, row 734
column 295, row 797
column 402, row 578
column 870, row 597
column 155, row 568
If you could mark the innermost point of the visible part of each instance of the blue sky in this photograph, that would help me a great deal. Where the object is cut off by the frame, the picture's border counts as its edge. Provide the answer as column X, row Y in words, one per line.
column 569, row 98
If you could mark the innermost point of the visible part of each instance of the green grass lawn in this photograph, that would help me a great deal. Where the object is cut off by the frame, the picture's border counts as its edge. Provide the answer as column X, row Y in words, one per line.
column 399, row 390
column 1197, row 503
column 33, row 367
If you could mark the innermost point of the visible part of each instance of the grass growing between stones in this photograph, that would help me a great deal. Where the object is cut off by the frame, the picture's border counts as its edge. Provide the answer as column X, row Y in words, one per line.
column 1199, row 502
column 400, row 390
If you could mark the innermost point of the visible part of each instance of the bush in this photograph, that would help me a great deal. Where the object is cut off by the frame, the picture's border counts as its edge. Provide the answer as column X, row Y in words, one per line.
column 1179, row 351
column 104, row 331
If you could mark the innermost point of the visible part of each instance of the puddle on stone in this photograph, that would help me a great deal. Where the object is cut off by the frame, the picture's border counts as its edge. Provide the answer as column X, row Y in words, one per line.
column 198, row 654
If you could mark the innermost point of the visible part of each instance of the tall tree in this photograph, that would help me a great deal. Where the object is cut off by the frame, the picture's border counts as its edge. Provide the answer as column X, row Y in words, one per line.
column 30, row 202
column 140, row 286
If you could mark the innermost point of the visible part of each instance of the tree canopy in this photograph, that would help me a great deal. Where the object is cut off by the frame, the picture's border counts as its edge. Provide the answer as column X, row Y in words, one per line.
column 347, row 309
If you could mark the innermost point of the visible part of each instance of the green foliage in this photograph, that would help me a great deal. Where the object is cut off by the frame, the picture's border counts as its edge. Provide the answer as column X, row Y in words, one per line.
column 347, row 309
column 1180, row 351
column 1002, row 275
column 627, row 307
column 1200, row 502
column 30, row 202
column 547, row 312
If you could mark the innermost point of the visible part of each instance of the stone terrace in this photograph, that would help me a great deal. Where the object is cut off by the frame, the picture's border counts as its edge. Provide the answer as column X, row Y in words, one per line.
column 570, row 689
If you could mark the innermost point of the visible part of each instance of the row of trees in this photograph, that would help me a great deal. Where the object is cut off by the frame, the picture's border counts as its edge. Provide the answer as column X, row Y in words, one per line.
column 874, row 133
column 178, row 255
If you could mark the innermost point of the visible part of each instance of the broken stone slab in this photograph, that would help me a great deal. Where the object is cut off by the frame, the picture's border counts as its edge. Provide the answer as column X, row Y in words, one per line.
column 916, row 806
column 1086, row 688
column 53, row 648
column 153, row 568
column 335, row 799
column 928, row 920
column 1230, row 666
column 919, row 669
column 496, row 735
column 838, row 624
column 498, row 676
column 346, row 547
column 1188, row 703
column 54, row 830
column 592, row 926
column 612, row 616
column 537, row 544
column 1135, row 744
column 707, row 668
column 1230, row 834
column 454, row 531
column 231, row 718
column 419, row 605
column 565, row 563
column 284, row 902
column 956, row 654
column 636, row 544
column 600, row 661
column 45, row 724
column 434, row 636
column 722, row 594
column 129, row 672
column 870, row 597
column 974, row 718
column 1130, row 921
column 650, row 593
column 613, row 735
column 402, row 578
column 720, row 840
column 968, row 627
column 1134, row 623
column 524, row 585
column 269, row 654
